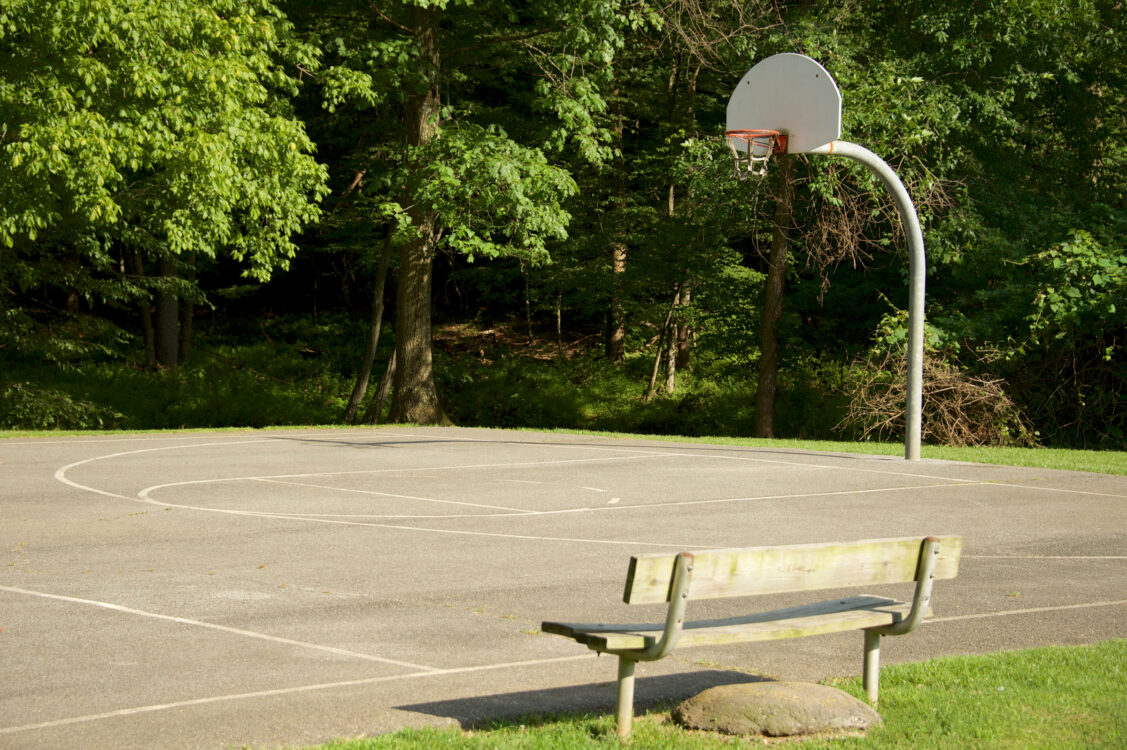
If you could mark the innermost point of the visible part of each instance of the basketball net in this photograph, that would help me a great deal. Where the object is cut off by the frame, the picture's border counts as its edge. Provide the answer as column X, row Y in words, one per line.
column 752, row 149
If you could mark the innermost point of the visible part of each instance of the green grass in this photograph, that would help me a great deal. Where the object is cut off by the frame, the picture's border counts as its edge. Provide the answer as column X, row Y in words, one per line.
column 1053, row 697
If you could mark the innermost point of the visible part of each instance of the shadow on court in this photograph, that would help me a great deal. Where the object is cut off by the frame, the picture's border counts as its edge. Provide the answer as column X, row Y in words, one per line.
column 482, row 711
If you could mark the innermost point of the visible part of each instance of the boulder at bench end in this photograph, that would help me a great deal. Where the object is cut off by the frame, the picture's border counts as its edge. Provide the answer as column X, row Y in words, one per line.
column 775, row 709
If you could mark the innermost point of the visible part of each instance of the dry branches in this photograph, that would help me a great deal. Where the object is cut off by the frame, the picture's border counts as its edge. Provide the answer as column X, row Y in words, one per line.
column 958, row 409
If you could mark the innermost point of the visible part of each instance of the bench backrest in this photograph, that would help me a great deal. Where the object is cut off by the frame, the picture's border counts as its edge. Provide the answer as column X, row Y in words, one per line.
column 750, row 571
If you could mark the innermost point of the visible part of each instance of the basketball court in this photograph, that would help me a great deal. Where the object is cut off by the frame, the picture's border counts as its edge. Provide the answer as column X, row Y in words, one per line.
column 273, row 588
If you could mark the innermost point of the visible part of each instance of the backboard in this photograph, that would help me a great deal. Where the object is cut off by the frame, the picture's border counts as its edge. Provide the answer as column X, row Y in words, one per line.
column 792, row 94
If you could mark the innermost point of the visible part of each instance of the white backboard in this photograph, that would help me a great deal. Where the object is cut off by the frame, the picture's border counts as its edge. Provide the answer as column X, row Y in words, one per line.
column 790, row 93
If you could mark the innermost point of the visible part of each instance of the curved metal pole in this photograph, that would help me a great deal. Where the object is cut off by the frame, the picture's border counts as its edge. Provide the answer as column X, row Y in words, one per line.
column 917, row 270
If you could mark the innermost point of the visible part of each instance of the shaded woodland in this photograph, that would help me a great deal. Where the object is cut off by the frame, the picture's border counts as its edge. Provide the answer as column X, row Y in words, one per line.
column 243, row 212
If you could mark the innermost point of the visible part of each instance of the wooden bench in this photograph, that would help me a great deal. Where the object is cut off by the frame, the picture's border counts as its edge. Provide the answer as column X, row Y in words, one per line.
column 714, row 574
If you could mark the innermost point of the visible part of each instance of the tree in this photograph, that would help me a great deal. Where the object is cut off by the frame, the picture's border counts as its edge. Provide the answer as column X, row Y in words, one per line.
column 451, row 99
column 630, row 209
column 1035, row 245
column 140, row 135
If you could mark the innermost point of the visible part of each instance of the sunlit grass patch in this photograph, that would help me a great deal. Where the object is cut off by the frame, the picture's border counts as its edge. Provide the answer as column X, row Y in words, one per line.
column 1052, row 697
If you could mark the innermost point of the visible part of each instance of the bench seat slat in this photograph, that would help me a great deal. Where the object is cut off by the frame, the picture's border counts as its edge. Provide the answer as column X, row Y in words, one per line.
column 831, row 616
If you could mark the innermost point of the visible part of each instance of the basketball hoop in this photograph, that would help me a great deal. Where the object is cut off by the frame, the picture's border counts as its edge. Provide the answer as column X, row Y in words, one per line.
column 793, row 94
column 753, row 148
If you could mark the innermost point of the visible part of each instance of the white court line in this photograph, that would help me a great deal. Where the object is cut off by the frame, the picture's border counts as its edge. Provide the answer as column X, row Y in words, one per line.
column 1029, row 611
column 392, row 494
column 61, row 476
column 330, row 518
column 628, row 507
column 866, row 470
column 679, row 453
column 143, row 496
column 917, row 475
column 286, row 691
column 341, row 437
column 443, row 672
column 109, row 439
column 1047, row 557
column 652, row 453
column 61, row 473
column 459, row 532
column 220, row 628
column 757, row 498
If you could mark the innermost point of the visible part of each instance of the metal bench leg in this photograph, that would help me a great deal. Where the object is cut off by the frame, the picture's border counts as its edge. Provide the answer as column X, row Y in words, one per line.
column 625, row 695
column 871, row 675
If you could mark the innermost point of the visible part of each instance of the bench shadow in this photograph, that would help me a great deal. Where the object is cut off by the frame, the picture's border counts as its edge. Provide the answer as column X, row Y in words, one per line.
column 527, row 706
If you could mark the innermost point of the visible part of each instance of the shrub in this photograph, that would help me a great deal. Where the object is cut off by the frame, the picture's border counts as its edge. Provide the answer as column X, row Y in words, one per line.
column 26, row 406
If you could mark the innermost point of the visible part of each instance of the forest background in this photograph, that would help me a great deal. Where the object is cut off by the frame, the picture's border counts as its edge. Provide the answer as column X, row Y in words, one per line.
column 242, row 213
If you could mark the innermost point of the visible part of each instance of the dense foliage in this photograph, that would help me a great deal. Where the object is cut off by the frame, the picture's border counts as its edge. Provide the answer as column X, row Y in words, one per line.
column 139, row 141
column 549, row 182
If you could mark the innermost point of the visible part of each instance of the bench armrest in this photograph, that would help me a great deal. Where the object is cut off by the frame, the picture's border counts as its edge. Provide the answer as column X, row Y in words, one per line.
column 921, row 601
column 674, row 617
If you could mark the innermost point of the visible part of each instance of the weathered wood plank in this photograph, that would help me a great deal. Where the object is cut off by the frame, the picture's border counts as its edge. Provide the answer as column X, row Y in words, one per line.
column 831, row 616
column 772, row 570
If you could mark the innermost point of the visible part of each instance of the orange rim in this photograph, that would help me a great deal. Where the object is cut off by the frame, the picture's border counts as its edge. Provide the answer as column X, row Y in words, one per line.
column 778, row 140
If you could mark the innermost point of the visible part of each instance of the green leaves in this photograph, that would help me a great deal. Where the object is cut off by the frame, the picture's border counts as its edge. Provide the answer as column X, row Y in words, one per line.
column 1082, row 280
column 516, row 83
column 493, row 196
column 165, row 114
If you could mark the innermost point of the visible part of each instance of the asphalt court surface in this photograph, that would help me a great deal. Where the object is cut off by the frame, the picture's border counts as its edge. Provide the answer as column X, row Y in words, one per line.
column 281, row 588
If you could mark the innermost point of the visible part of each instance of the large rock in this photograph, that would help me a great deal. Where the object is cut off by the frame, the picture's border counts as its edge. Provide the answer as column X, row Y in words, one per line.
column 775, row 709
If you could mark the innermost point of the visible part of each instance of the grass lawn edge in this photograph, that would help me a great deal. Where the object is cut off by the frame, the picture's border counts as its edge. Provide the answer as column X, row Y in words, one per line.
column 1064, row 459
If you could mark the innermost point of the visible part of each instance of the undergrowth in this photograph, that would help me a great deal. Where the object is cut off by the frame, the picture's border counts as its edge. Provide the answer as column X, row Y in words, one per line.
column 300, row 370
column 288, row 373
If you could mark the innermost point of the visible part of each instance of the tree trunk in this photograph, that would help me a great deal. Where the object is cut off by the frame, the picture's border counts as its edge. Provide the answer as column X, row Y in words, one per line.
column 144, row 309
column 665, row 335
column 773, row 305
column 415, row 398
column 685, row 332
column 652, row 384
column 559, row 324
column 187, row 313
column 670, row 344
column 680, row 341
column 671, row 361
column 168, row 323
column 527, row 303
column 616, row 310
column 375, row 407
column 374, row 326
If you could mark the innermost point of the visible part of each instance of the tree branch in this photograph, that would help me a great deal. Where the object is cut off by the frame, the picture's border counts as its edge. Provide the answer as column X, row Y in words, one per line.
column 389, row 20
column 501, row 39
